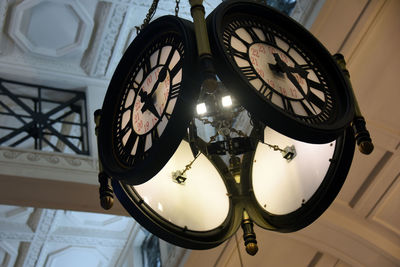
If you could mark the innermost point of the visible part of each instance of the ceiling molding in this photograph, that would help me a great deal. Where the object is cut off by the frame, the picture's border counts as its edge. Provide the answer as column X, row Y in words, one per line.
column 36, row 29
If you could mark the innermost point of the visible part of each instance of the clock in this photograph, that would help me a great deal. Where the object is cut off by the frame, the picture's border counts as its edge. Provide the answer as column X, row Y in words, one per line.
column 148, row 104
column 190, row 209
column 279, row 71
column 289, row 194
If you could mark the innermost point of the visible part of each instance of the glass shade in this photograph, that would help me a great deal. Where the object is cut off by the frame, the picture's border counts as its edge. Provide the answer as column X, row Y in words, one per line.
column 199, row 204
column 282, row 186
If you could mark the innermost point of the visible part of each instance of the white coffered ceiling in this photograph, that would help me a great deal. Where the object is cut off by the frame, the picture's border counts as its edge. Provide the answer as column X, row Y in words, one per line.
column 77, row 44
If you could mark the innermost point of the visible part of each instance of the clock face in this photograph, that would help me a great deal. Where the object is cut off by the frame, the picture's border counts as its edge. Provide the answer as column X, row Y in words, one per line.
column 279, row 72
column 290, row 194
column 149, row 101
column 282, row 74
column 194, row 206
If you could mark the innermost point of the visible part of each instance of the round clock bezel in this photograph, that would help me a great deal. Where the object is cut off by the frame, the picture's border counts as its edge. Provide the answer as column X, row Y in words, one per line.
column 319, row 201
column 177, row 235
column 143, row 166
column 267, row 112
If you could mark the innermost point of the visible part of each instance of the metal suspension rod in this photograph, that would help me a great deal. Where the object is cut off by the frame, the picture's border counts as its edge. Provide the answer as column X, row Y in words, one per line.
column 203, row 45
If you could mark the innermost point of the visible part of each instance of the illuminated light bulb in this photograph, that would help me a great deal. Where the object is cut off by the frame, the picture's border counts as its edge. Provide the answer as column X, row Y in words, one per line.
column 201, row 108
column 237, row 178
column 226, row 101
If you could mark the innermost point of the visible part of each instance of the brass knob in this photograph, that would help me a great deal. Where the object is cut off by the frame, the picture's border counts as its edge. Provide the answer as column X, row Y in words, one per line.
column 252, row 248
column 106, row 202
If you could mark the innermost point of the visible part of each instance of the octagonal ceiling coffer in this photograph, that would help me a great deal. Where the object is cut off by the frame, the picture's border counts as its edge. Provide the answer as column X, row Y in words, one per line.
column 49, row 28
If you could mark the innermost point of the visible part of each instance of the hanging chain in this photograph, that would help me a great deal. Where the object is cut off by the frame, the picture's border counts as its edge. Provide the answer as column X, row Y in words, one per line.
column 177, row 8
column 274, row 147
column 189, row 166
column 149, row 16
column 288, row 152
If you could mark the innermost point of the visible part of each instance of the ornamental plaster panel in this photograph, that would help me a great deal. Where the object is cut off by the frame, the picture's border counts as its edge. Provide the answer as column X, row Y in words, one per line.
column 86, row 240
column 76, row 256
column 33, row 27
column 115, row 23
column 8, row 253
column 102, row 17
column 15, row 214
column 96, row 220
column 40, row 164
column 4, row 5
column 16, row 236
column 40, row 237
column 98, row 60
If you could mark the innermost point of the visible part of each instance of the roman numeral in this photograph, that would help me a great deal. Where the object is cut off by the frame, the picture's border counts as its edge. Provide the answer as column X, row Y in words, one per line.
column 146, row 67
column 176, row 69
column 234, row 34
column 158, row 57
column 248, row 72
column 315, row 100
column 253, row 34
column 121, row 132
column 307, row 109
column 141, row 145
column 264, row 89
column 171, row 53
column 175, row 89
column 239, row 54
column 154, row 134
column 287, row 105
column 269, row 95
column 167, row 115
column 129, row 144
column 270, row 38
column 316, row 85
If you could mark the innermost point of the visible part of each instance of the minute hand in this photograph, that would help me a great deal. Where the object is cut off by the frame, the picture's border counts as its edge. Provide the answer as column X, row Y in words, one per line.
column 288, row 70
column 147, row 98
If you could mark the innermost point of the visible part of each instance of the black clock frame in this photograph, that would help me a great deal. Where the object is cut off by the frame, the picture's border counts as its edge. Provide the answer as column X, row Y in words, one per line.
column 177, row 235
column 313, row 208
column 241, row 197
column 118, row 163
column 307, row 129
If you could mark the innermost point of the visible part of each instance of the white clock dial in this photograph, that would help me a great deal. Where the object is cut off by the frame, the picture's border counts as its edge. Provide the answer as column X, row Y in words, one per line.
column 147, row 107
column 282, row 186
column 144, row 119
column 278, row 71
column 203, row 192
column 150, row 100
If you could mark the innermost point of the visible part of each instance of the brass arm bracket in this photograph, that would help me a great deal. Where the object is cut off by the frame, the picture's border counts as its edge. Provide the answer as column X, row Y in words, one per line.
column 361, row 133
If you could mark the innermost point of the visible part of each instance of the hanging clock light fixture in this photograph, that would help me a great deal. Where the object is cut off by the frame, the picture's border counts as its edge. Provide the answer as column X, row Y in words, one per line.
column 198, row 140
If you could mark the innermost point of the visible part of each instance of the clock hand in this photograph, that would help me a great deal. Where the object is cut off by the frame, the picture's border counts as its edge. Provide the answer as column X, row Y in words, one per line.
column 153, row 109
column 288, row 70
column 147, row 99
column 303, row 73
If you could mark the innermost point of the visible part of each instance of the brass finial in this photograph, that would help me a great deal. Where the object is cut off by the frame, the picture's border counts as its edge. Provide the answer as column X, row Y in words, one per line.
column 249, row 236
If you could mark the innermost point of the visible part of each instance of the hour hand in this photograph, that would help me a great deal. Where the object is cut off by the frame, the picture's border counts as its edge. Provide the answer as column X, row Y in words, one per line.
column 289, row 73
column 152, row 109
column 147, row 98
column 148, row 104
